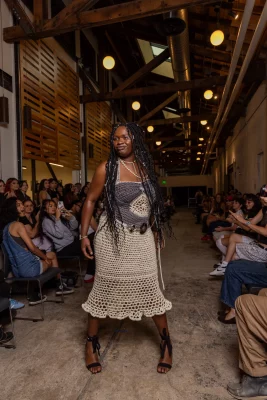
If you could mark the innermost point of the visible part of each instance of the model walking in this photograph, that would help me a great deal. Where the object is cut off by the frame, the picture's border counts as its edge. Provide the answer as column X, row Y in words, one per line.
column 126, row 281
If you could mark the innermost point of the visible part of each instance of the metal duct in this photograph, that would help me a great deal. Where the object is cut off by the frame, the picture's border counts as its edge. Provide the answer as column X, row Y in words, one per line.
column 179, row 52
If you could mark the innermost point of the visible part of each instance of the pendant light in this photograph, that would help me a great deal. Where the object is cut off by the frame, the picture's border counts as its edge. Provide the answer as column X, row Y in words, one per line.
column 204, row 122
column 150, row 128
column 217, row 37
column 136, row 105
column 108, row 62
column 158, row 143
column 208, row 95
column 198, row 158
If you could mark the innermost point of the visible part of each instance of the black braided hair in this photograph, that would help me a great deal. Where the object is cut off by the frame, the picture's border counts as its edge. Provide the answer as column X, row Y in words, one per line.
column 145, row 165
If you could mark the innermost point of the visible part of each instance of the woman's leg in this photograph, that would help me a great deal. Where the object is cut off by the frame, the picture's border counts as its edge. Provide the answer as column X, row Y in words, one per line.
column 233, row 240
column 162, row 324
column 90, row 356
column 53, row 257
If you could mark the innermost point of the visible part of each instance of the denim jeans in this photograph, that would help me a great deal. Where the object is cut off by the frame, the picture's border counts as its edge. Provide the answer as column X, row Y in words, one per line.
column 215, row 224
column 238, row 273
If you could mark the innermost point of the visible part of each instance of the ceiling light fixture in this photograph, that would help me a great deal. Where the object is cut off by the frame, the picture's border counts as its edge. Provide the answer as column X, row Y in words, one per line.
column 158, row 143
column 204, row 122
column 199, row 144
column 233, row 14
column 216, row 97
column 108, row 62
column 23, row 167
column 57, row 165
column 217, row 37
column 197, row 158
column 164, row 151
column 208, row 94
column 208, row 127
column 136, row 105
column 150, row 128
column 201, row 139
column 199, row 152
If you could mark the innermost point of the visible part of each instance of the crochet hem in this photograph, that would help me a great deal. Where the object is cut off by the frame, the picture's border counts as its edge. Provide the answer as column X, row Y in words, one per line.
column 131, row 316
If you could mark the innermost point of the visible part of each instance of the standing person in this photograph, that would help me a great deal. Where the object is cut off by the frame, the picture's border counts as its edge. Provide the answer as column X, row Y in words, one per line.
column 22, row 193
column 126, row 281
column 11, row 188
column 43, row 191
column 52, row 190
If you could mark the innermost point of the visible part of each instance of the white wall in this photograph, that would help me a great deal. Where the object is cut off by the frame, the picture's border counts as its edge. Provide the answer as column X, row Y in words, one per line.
column 247, row 148
column 8, row 134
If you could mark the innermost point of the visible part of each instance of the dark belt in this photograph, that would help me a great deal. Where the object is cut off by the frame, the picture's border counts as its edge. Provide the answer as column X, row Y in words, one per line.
column 142, row 229
column 261, row 246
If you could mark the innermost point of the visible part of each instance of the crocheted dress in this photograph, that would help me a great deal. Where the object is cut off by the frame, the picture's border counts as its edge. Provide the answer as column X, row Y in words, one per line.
column 126, row 282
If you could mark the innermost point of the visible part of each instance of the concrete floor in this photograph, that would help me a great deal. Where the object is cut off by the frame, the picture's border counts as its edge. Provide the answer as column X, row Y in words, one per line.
column 48, row 363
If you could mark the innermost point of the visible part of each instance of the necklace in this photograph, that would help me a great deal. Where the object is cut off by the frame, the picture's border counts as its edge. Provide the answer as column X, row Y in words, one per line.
column 128, row 162
column 134, row 173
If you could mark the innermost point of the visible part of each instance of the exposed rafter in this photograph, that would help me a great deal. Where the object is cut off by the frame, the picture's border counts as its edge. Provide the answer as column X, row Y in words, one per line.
column 154, row 90
column 25, row 24
column 102, row 16
column 181, row 120
column 158, row 108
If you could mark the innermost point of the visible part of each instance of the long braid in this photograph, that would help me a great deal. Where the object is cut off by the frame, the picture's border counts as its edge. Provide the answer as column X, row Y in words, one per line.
column 150, row 184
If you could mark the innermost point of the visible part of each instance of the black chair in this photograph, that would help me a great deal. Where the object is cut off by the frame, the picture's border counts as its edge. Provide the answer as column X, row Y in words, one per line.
column 49, row 274
column 5, row 305
column 76, row 258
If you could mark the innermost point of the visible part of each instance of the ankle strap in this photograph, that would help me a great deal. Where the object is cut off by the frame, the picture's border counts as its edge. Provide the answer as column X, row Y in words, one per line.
column 95, row 343
column 166, row 343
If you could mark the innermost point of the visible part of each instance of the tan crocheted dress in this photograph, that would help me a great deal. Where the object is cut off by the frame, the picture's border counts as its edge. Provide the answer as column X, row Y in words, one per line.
column 126, row 282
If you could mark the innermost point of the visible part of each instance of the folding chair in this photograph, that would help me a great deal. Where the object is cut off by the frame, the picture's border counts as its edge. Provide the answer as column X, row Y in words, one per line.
column 76, row 258
column 40, row 279
column 4, row 305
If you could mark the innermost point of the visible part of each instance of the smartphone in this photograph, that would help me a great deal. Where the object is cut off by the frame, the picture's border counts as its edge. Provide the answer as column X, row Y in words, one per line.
column 263, row 191
column 60, row 204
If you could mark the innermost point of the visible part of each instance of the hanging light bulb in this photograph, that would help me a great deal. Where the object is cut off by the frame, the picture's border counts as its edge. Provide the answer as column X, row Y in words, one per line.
column 199, row 144
column 204, row 122
column 208, row 94
column 217, row 37
column 198, row 158
column 201, row 139
column 199, row 152
column 108, row 62
column 158, row 143
column 150, row 128
column 216, row 97
column 136, row 105
column 208, row 127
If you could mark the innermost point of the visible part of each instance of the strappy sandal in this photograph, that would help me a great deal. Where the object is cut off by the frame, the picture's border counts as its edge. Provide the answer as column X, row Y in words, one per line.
column 96, row 347
column 166, row 343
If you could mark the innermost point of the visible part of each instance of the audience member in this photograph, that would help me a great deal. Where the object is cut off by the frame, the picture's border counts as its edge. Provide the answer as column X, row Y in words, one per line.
column 22, row 193
column 52, row 190
column 69, row 195
column 11, row 188
column 60, row 192
column 43, row 191
column 83, row 193
column 2, row 192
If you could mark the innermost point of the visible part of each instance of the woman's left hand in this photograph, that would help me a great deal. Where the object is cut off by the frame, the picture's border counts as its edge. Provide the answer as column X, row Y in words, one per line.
column 238, row 217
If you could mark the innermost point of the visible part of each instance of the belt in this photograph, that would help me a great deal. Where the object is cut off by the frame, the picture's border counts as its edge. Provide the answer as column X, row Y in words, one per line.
column 261, row 246
column 132, row 228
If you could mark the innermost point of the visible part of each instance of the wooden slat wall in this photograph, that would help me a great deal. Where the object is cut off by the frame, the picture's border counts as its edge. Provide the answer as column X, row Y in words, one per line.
column 98, row 129
column 51, row 88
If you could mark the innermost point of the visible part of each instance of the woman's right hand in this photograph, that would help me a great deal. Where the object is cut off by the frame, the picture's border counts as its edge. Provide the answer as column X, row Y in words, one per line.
column 87, row 249
column 58, row 214
column 48, row 261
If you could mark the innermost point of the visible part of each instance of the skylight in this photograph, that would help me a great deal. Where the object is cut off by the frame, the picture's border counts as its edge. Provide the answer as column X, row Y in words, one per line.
column 158, row 49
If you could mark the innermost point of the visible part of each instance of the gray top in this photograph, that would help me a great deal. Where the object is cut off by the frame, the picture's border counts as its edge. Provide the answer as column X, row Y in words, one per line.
column 60, row 234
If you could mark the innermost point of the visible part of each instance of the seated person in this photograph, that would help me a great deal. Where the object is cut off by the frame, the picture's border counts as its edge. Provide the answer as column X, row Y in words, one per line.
column 244, row 247
column 61, row 228
column 217, row 212
column 76, row 209
column 22, row 193
column 26, row 259
column 223, row 230
column 251, row 320
column 237, row 274
column 69, row 195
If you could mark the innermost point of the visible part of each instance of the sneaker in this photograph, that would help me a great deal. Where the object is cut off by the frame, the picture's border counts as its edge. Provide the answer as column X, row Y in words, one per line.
column 16, row 305
column 219, row 271
column 89, row 278
column 65, row 289
column 36, row 299
column 217, row 265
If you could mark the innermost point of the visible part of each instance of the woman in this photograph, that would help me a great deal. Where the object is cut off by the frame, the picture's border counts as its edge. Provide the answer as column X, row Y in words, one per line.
column 69, row 195
column 60, row 227
column 2, row 192
column 43, row 191
column 83, row 193
column 22, row 194
column 11, row 188
column 126, row 280
column 217, row 213
column 26, row 259
column 60, row 192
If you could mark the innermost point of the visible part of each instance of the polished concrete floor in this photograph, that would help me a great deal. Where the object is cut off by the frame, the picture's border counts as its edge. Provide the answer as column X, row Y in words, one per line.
column 48, row 363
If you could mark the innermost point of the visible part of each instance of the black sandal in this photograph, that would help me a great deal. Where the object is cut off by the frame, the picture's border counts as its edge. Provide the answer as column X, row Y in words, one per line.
column 167, row 343
column 5, row 336
column 96, row 347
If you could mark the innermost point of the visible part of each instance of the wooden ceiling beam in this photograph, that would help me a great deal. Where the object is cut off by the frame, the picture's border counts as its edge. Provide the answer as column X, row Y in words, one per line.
column 181, row 120
column 158, row 108
column 117, row 52
column 101, row 16
column 74, row 7
column 154, row 90
column 25, row 24
column 142, row 72
column 40, row 12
